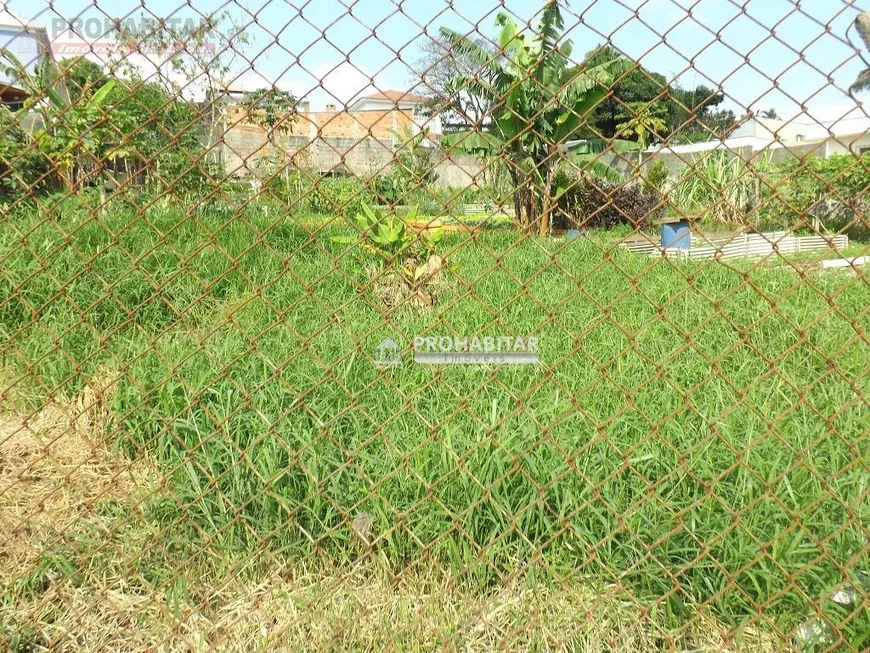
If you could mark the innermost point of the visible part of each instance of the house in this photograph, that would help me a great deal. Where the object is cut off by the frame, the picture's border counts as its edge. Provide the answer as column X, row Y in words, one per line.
column 818, row 132
column 416, row 105
column 28, row 42
column 236, row 89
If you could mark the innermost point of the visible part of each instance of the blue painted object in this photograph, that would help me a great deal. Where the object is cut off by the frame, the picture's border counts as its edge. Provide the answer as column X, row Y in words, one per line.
column 677, row 235
column 572, row 233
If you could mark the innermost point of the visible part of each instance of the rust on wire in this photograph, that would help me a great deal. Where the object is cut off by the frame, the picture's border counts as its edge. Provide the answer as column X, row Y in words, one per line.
column 447, row 327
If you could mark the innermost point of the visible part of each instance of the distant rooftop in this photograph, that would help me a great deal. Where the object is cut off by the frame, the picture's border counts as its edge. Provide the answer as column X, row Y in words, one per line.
column 844, row 124
column 11, row 19
column 397, row 96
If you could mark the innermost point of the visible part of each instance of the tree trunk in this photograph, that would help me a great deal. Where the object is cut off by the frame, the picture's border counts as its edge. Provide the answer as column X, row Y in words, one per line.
column 547, row 209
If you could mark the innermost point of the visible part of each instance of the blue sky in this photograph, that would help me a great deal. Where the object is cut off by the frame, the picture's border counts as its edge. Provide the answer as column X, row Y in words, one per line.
column 763, row 53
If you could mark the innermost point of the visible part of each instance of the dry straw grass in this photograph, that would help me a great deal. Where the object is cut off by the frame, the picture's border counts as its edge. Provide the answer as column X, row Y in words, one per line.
column 56, row 469
column 55, row 466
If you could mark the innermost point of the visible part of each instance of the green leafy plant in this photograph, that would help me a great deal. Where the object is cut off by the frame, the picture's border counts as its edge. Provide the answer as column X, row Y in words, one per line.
column 339, row 196
column 540, row 99
column 656, row 177
column 413, row 160
column 643, row 122
column 386, row 236
column 832, row 192
column 73, row 136
column 23, row 167
column 586, row 203
column 412, row 172
column 721, row 187
column 409, row 256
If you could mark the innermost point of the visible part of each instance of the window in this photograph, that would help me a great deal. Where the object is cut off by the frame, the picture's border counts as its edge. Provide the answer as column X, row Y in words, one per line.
column 14, row 105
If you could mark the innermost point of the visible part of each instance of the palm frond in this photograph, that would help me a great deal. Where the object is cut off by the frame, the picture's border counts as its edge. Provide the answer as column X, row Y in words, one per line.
column 469, row 48
column 550, row 25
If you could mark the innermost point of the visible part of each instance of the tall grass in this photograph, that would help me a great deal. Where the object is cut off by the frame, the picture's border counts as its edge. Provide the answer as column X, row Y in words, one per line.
column 695, row 432
column 721, row 187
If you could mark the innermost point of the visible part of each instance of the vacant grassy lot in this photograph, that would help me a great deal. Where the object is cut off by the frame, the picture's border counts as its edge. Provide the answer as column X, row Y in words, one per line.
column 696, row 433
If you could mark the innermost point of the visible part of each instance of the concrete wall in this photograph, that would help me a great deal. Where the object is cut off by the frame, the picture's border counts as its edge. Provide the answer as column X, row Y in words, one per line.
column 778, row 154
column 359, row 143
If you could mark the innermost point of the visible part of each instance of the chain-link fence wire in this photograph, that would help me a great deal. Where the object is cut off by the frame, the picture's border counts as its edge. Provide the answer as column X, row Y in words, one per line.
column 548, row 349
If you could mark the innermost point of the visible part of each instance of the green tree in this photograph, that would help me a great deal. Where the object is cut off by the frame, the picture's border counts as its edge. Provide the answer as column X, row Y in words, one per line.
column 413, row 160
column 540, row 101
column 192, row 58
column 82, row 77
column 684, row 107
column 72, row 135
column 643, row 123
column 275, row 111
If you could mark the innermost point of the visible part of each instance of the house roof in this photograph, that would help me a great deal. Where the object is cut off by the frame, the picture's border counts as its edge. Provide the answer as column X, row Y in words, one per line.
column 814, row 127
column 9, row 19
column 397, row 96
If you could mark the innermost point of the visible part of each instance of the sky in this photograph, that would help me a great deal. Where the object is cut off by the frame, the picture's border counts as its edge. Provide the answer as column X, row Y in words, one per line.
column 789, row 55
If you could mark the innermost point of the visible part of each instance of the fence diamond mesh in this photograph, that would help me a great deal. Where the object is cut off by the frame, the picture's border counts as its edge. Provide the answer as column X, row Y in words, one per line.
column 391, row 325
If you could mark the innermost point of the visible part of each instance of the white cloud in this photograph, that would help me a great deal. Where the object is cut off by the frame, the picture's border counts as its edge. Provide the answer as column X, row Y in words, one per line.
column 340, row 83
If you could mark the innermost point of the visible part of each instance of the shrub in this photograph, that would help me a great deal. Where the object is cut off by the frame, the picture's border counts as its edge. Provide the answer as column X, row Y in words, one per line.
column 23, row 168
column 185, row 173
column 586, row 204
column 390, row 188
column 656, row 177
column 339, row 196
column 289, row 187
column 832, row 190
column 722, row 187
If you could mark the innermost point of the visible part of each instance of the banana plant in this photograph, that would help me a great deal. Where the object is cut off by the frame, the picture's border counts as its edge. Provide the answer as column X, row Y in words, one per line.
column 412, row 257
column 386, row 236
column 541, row 101
column 71, row 135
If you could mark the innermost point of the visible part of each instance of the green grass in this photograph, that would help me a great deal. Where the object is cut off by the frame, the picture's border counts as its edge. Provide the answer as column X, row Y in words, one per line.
column 696, row 432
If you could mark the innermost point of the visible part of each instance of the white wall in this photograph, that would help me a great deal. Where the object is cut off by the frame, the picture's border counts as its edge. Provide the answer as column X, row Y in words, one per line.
column 843, row 144
column 28, row 48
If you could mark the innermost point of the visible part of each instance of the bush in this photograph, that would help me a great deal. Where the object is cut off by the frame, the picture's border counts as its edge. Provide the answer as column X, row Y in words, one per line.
column 390, row 188
column 23, row 168
column 339, row 196
column 186, row 173
column 833, row 190
column 589, row 204
column 656, row 177
column 722, row 187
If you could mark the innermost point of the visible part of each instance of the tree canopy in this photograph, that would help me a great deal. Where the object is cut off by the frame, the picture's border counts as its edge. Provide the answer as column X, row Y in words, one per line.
column 540, row 100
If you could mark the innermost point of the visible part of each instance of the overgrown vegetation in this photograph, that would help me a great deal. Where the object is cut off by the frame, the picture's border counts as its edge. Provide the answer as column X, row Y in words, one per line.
column 541, row 100
column 720, row 187
column 684, row 480
column 586, row 203
column 827, row 194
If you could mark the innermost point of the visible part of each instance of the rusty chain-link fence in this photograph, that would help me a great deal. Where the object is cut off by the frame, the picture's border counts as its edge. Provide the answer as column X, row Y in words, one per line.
column 381, row 325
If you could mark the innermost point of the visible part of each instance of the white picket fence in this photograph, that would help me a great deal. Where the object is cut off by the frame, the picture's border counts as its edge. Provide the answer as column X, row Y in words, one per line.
column 746, row 245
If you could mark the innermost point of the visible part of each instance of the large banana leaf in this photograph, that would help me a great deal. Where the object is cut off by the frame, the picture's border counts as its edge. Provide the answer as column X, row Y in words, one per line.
column 474, row 142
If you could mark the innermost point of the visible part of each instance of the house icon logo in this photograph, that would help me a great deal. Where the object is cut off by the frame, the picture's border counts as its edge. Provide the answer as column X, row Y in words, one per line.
column 388, row 353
